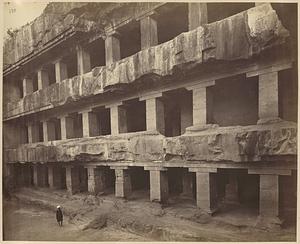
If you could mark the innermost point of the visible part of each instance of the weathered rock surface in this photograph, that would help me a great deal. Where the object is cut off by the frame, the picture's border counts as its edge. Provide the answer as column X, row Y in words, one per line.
column 235, row 144
column 237, row 37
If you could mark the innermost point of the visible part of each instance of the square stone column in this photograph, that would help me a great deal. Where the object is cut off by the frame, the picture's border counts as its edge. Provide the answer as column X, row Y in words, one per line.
column 43, row 79
column 148, row 26
column 268, row 93
column 27, row 86
column 118, row 118
column 269, row 192
column 67, row 127
column 49, row 131
column 61, row 72
column 197, row 15
column 155, row 119
column 202, row 102
column 96, row 179
column 90, row 123
column 33, row 133
column 123, row 181
column 42, row 175
column 35, row 175
column 72, row 179
column 206, row 193
column 269, row 195
column 159, row 186
column 50, row 176
column 83, row 60
column 55, row 176
column 268, row 106
column 112, row 47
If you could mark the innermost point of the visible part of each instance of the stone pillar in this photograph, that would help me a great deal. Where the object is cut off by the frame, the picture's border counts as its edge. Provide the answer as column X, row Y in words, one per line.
column 268, row 106
column 67, row 127
column 268, row 94
column 118, row 118
column 123, row 181
column 149, row 36
column 61, row 72
column 206, row 184
column 201, row 102
column 96, row 180
column 35, row 175
column 72, row 179
column 50, row 176
column 33, row 133
column 269, row 192
column 42, row 175
column 159, row 187
column 90, row 123
column 187, row 184
column 43, row 79
column 269, row 196
column 155, row 119
column 83, row 60
column 231, row 189
column 27, row 86
column 197, row 15
column 112, row 48
column 49, row 131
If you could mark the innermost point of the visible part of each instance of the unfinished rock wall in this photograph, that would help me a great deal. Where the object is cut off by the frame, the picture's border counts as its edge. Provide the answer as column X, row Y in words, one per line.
column 238, row 37
column 234, row 144
column 59, row 17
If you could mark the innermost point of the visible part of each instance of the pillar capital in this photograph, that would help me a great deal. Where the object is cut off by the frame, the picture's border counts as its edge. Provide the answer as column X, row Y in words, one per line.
column 112, row 32
column 203, row 170
column 151, row 95
column 153, row 14
column 267, row 171
column 201, row 85
column 269, row 69
column 119, row 167
column 155, row 168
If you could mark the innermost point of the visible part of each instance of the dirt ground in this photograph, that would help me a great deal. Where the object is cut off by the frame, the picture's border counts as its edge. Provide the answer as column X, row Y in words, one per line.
column 30, row 216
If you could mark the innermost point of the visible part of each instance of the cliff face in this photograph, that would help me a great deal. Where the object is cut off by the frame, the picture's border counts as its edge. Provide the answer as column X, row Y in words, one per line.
column 59, row 17
column 239, row 37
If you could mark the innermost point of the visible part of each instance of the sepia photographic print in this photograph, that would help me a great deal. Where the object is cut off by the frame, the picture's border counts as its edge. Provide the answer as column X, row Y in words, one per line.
column 149, row 121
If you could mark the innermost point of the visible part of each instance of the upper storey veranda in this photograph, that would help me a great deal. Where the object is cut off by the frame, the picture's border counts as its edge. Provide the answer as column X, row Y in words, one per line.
column 120, row 44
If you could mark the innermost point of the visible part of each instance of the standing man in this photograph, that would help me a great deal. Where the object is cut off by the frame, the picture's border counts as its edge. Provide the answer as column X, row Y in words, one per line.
column 59, row 216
